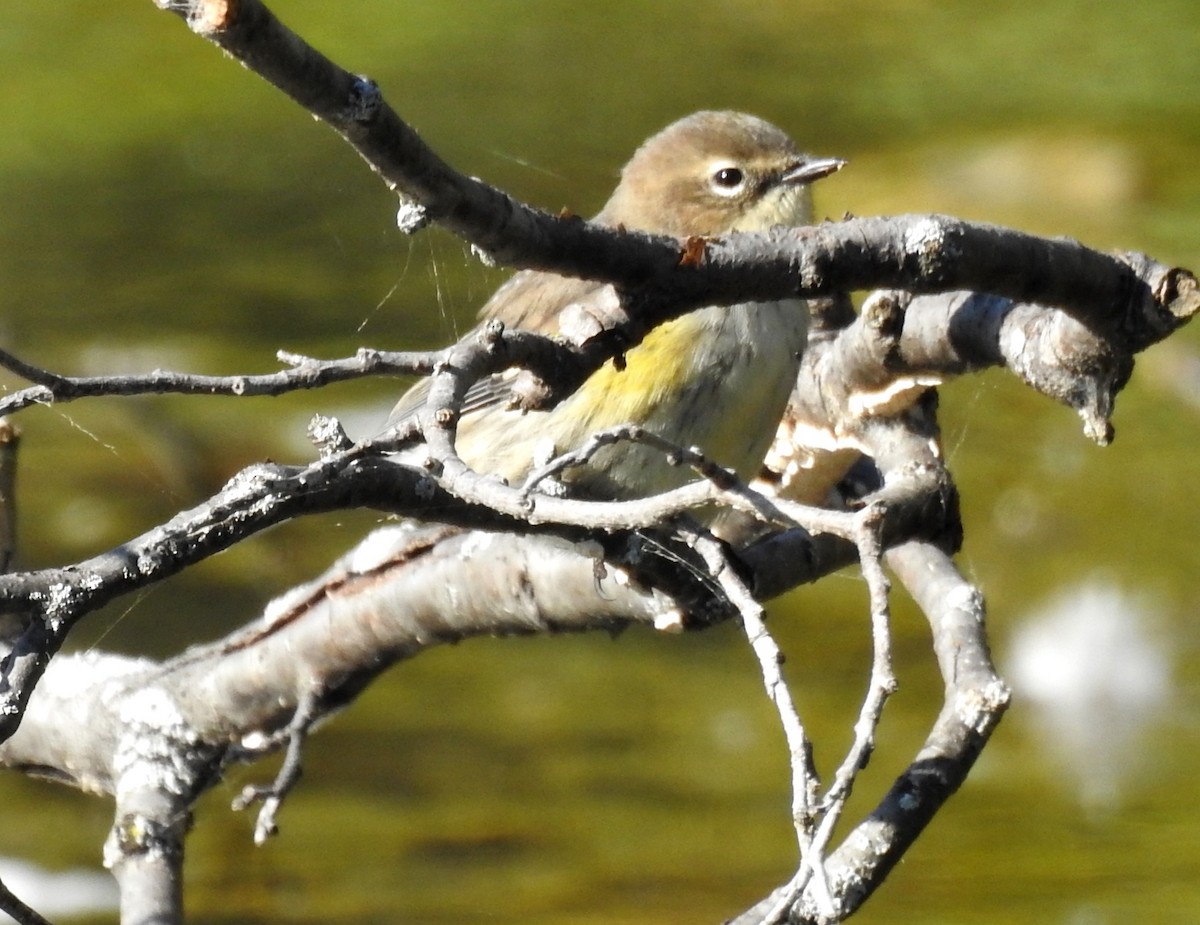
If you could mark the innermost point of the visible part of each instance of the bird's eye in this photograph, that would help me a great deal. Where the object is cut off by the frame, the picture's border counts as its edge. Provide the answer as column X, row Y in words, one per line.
column 727, row 180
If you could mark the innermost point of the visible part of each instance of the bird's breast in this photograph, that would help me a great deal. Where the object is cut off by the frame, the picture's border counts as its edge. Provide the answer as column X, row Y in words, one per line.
column 717, row 378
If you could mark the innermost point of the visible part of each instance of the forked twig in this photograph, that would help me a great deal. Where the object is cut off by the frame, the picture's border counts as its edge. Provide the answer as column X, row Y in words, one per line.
column 814, row 820
column 272, row 795
column 881, row 686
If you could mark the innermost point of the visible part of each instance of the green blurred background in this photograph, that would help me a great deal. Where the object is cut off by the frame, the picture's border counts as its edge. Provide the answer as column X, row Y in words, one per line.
column 162, row 207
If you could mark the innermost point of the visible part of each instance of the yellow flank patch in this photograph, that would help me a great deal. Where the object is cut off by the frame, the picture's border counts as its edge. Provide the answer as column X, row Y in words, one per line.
column 655, row 371
column 716, row 378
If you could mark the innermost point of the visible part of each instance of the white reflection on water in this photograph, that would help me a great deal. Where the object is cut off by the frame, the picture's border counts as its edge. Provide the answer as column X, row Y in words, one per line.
column 1097, row 669
column 67, row 893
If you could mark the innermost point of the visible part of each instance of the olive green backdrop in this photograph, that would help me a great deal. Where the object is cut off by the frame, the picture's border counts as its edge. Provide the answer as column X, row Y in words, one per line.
column 161, row 207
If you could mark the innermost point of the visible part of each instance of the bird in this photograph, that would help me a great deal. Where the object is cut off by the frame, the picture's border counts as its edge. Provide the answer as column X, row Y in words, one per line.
column 716, row 378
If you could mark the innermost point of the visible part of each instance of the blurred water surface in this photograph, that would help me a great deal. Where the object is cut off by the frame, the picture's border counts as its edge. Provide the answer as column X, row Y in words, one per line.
column 161, row 207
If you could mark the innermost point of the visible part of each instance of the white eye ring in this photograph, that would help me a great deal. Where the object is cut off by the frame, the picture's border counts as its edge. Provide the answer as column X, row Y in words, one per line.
column 726, row 179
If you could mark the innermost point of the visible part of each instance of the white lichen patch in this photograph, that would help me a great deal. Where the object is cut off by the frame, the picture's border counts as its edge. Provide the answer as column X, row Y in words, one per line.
column 152, row 752
column 926, row 240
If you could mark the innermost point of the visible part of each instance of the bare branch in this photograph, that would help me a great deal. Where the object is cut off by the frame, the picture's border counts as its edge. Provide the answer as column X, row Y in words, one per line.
column 805, row 780
column 10, row 442
column 861, row 438
column 308, row 711
column 1129, row 294
column 975, row 700
column 11, row 905
column 302, row 373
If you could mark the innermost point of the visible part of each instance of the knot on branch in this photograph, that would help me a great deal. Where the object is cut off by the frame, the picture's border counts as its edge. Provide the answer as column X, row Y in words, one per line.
column 139, row 834
column 328, row 435
column 1172, row 300
column 586, row 319
column 411, row 216
column 207, row 18
column 1179, row 293
column 364, row 101
column 931, row 247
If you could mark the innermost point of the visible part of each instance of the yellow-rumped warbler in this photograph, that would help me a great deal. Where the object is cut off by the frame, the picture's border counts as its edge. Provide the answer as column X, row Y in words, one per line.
column 717, row 378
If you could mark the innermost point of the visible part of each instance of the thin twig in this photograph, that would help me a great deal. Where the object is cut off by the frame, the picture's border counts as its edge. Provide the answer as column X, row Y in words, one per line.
column 272, row 795
column 302, row 373
column 882, row 681
column 21, row 913
column 805, row 779
column 10, row 441
column 733, row 491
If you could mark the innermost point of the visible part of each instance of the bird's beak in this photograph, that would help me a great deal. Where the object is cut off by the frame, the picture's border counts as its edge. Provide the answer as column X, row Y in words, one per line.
column 807, row 170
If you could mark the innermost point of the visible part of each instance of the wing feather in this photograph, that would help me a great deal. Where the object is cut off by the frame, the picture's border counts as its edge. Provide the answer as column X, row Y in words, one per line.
column 530, row 300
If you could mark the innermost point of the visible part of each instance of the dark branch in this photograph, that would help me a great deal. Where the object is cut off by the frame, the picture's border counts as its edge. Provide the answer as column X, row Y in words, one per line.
column 1132, row 295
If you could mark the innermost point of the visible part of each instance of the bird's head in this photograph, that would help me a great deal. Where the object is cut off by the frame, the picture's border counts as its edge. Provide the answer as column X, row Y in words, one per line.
column 715, row 172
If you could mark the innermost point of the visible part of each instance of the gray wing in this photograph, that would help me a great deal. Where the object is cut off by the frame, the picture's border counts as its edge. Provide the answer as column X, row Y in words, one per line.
column 531, row 300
